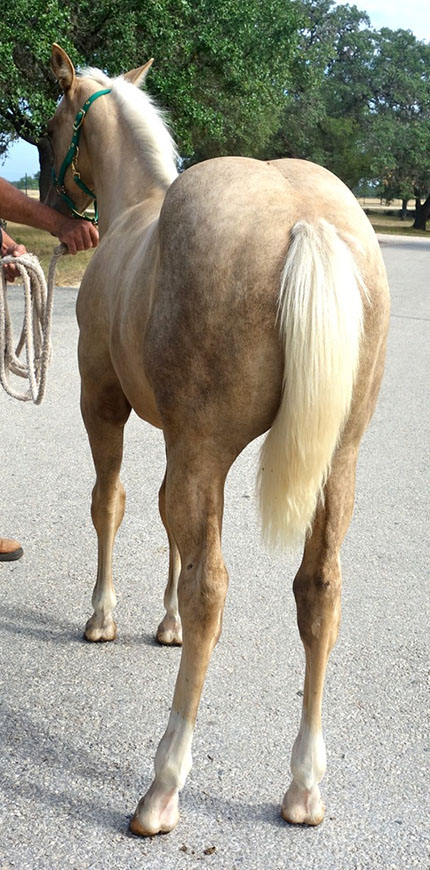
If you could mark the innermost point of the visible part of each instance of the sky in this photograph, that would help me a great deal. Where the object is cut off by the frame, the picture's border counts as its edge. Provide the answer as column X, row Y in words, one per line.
column 411, row 15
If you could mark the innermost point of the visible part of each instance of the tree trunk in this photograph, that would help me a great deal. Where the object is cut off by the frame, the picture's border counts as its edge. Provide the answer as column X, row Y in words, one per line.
column 422, row 213
column 404, row 212
column 46, row 164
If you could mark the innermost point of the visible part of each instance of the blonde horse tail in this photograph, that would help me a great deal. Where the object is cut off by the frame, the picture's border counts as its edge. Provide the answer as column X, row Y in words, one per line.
column 320, row 316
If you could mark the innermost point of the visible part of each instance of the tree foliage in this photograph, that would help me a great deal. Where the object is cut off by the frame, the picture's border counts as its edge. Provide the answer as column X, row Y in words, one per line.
column 360, row 101
column 221, row 68
column 323, row 116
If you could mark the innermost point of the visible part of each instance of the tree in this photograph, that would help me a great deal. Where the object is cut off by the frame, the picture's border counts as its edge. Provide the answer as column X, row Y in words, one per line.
column 399, row 126
column 28, row 92
column 219, row 70
column 27, row 182
column 360, row 103
column 323, row 117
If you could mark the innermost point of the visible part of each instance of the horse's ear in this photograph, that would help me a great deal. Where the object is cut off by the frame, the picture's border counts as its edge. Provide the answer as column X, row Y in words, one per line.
column 62, row 67
column 137, row 76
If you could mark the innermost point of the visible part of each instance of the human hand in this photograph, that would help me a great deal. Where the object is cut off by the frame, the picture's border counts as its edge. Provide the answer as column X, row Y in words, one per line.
column 12, row 250
column 78, row 235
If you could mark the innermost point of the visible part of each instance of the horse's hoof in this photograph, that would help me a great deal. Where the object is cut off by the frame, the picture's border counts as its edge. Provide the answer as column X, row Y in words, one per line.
column 99, row 633
column 303, row 806
column 147, row 821
column 169, row 632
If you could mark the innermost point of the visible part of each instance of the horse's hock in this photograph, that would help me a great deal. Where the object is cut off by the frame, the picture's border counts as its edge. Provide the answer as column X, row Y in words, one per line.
column 240, row 298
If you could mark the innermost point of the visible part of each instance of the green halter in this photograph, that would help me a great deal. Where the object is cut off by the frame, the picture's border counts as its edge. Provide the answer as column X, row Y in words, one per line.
column 71, row 160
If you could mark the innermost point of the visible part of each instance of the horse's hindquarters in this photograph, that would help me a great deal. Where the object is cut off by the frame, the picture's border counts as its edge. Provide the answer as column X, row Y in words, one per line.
column 212, row 350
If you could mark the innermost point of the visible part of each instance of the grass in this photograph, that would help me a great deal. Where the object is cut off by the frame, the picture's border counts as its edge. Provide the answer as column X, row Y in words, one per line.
column 70, row 269
column 390, row 223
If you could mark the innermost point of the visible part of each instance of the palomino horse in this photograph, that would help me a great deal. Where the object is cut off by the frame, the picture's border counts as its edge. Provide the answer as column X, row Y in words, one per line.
column 240, row 297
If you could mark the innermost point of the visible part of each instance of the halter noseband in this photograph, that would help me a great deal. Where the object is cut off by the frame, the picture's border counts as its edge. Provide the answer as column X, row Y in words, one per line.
column 71, row 159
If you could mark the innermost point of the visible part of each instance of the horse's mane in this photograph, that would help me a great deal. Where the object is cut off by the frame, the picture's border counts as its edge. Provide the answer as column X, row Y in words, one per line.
column 147, row 122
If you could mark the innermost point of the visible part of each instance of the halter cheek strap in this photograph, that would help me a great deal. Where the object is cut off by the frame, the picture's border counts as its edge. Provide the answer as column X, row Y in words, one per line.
column 71, row 159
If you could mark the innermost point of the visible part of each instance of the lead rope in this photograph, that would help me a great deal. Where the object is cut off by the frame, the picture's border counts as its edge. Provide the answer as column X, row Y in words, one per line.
column 36, row 329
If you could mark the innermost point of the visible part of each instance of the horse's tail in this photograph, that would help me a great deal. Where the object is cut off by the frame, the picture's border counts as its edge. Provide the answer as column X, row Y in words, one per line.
column 320, row 315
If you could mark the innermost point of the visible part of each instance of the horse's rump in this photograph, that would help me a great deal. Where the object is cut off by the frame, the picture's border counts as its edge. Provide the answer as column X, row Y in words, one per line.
column 218, row 350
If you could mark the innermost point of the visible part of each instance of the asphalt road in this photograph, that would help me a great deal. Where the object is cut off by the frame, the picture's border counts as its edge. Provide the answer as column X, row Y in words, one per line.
column 80, row 723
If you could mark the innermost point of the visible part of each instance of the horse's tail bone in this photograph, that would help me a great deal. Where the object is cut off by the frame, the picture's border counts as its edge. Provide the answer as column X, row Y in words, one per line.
column 320, row 317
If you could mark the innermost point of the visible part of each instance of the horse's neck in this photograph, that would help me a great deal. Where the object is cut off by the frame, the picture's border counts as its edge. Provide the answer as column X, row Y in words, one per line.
column 122, row 176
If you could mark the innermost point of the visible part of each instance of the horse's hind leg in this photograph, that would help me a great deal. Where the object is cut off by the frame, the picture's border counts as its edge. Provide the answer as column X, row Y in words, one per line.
column 105, row 412
column 170, row 629
column 317, row 590
column 194, row 504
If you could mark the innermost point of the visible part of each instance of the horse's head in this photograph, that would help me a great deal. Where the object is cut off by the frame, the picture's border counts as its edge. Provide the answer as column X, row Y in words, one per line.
column 72, row 184
column 95, row 142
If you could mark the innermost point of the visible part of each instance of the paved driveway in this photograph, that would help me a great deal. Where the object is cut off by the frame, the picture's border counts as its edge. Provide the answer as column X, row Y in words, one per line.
column 80, row 723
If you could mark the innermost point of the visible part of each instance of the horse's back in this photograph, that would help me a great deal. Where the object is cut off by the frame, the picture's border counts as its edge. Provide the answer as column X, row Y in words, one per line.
column 233, row 216
column 214, row 195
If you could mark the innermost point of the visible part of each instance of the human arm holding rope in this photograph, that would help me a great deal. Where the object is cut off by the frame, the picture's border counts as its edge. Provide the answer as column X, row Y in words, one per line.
column 78, row 235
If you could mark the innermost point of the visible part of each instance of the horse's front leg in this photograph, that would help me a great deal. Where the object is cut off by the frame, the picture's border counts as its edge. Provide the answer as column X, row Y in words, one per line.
column 105, row 414
column 170, row 629
column 194, row 499
column 317, row 590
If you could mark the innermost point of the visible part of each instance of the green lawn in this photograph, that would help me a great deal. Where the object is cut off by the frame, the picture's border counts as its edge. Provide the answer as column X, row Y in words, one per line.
column 390, row 223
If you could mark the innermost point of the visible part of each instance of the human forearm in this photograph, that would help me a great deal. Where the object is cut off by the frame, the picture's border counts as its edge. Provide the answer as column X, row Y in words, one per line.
column 16, row 206
column 78, row 235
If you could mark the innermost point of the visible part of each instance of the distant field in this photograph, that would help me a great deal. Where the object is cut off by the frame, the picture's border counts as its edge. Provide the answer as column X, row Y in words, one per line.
column 383, row 223
column 374, row 202
column 71, row 269
column 384, row 218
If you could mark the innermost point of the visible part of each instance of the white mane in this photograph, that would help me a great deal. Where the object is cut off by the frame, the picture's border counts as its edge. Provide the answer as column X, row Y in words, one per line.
column 147, row 122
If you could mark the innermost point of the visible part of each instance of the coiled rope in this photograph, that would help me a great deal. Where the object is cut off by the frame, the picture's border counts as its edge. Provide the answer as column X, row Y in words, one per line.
column 36, row 330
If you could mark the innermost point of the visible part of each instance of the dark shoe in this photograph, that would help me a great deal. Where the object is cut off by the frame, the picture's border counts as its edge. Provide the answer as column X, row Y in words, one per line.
column 10, row 550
